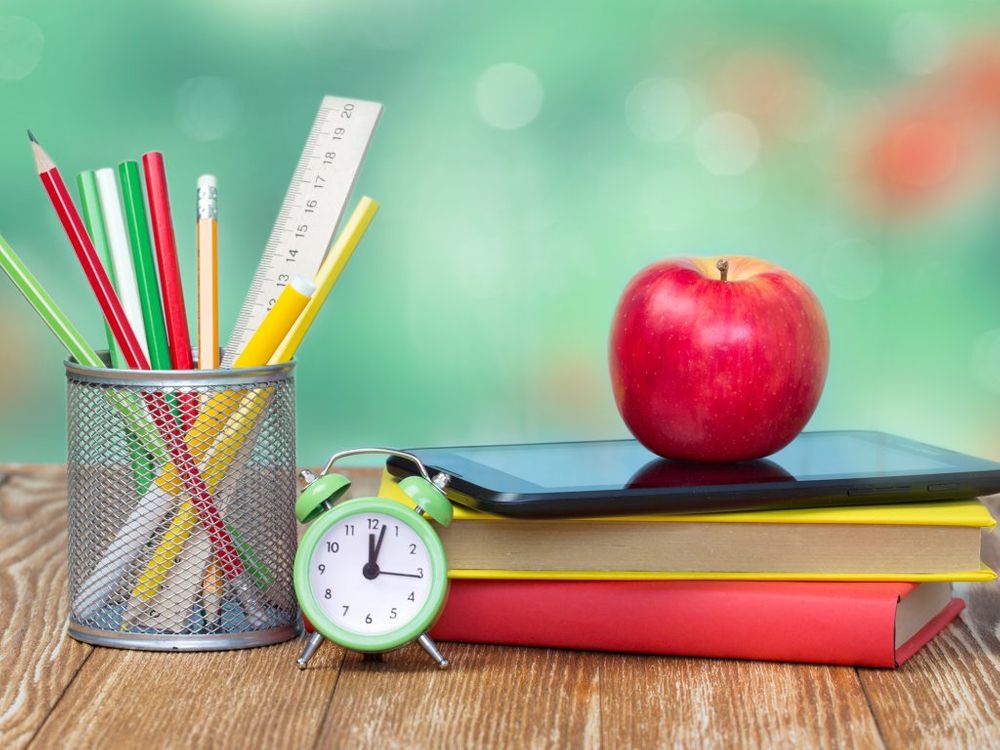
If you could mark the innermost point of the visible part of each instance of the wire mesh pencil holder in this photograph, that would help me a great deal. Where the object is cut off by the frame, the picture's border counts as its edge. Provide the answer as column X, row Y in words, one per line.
column 181, row 493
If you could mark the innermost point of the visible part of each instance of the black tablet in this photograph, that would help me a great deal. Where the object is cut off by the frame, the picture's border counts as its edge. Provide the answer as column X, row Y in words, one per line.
column 611, row 477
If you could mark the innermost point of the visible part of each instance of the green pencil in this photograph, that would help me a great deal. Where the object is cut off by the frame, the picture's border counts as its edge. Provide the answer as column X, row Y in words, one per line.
column 45, row 306
column 126, row 402
column 90, row 202
column 145, row 265
column 93, row 218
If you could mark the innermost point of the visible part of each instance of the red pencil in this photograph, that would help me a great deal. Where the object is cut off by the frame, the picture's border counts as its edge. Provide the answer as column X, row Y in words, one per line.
column 111, row 306
column 174, row 312
column 178, row 449
column 171, row 290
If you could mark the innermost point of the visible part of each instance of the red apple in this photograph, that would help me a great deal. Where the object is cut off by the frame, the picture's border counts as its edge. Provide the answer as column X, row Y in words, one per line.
column 717, row 359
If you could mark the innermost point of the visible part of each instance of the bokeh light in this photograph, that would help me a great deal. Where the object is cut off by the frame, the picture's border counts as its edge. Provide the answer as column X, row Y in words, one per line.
column 917, row 154
column 920, row 42
column 21, row 45
column 207, row 108
column 509, row 96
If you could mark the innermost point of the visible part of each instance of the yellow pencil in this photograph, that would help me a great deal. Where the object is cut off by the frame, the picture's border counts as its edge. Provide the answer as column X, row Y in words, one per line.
column 220, row 406
column 329, row 271
column 208, row 279
column 279, row 321
column 166, row 553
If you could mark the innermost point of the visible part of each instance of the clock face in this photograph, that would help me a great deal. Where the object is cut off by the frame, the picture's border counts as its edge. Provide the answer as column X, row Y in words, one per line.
column 370, row 573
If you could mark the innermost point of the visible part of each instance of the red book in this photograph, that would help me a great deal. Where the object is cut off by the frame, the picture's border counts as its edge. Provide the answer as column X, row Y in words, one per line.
column 860, row 624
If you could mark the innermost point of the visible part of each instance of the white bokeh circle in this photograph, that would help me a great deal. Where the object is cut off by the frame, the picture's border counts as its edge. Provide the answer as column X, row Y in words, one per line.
column 207, row 107
column 21, row 46
column 509, row 96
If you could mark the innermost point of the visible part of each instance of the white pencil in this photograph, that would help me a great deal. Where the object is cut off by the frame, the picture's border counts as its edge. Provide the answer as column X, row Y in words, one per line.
column 123, row 551
column 121, row 255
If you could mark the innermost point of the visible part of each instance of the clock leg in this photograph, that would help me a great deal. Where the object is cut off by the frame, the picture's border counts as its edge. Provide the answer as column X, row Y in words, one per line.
column 431, row 648
column 311, row 645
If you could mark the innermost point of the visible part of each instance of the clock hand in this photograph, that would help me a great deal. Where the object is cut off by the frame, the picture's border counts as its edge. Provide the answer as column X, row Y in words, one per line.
column 381, row 538
column 407, row 575
column 370, row 569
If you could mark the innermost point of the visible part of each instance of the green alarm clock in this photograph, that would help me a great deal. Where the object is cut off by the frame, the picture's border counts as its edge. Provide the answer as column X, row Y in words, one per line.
column 371, row 573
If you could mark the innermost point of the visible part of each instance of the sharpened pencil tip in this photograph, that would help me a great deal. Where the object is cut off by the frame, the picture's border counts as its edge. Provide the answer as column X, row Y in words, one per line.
column 42, row 161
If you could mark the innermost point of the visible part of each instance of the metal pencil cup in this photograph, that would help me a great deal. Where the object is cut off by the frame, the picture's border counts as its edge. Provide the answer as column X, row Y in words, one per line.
column 181, row 494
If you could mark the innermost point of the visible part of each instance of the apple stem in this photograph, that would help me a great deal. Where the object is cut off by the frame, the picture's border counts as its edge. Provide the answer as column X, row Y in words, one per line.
column 723, row 266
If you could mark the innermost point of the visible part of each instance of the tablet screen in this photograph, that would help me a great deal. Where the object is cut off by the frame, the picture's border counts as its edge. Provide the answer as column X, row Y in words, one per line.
column 619, row 464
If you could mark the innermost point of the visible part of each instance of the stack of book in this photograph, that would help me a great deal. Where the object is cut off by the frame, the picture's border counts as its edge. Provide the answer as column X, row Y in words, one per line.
column 861, row 585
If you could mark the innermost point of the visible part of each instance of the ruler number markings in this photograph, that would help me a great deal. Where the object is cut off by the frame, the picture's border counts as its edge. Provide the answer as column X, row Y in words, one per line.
column 312, row 208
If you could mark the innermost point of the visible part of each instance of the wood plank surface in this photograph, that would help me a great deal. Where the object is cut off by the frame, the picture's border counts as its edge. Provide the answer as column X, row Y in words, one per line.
column 490, row 697
column 948, row 694
column 237, row 699
column 56, row 692
column 36, row 660
column 651, row 701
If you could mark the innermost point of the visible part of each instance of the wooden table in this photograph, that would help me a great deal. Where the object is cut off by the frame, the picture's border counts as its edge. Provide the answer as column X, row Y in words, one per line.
column 56, row 692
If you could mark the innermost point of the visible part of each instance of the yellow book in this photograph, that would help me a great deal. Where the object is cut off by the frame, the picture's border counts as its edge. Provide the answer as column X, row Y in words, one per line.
column 935, row 541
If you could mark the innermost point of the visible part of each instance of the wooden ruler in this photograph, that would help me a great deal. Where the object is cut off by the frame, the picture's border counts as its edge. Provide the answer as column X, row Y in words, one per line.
column 312, row 208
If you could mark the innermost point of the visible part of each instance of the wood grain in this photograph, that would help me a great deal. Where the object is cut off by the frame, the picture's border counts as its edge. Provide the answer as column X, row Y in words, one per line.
column 664, row 702
column 231, row 699
column 489, row 697
column 38, row 660
column 948, row 694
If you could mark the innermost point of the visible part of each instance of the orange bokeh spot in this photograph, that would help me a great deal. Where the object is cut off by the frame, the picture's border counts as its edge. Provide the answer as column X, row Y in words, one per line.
column 916, row 155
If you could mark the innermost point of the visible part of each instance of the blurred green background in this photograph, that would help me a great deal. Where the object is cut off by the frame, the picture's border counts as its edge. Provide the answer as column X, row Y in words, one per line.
column 530, row 159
